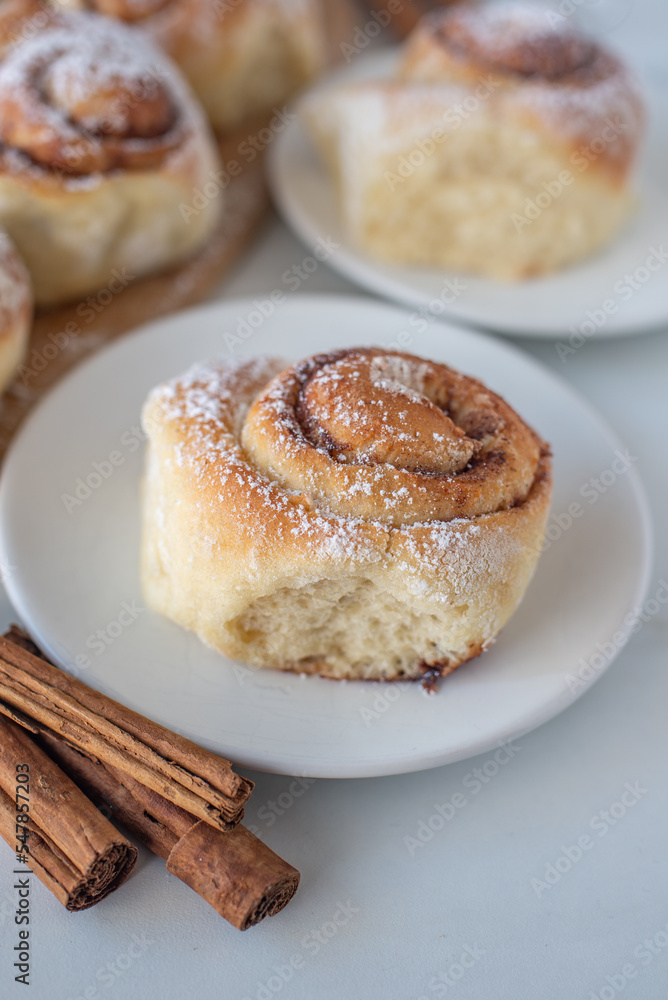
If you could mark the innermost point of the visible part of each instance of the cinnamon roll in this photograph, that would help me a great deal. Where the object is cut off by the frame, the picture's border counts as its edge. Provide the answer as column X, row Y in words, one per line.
column 102, row 151
column 243, row 58
column 15, row 310
column 504, row 146
column 362, row 514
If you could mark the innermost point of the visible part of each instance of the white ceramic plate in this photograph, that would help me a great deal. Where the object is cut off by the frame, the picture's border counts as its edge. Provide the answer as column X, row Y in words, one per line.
column 71, row 569
column 564, row 304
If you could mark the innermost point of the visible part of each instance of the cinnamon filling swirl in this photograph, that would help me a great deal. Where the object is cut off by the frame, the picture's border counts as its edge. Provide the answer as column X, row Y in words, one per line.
column 388, row 436
column 515, row 38
column 87, row 97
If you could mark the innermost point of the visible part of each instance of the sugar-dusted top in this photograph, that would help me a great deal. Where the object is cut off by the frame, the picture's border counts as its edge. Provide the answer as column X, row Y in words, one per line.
column 379, row 436
column 88, row 95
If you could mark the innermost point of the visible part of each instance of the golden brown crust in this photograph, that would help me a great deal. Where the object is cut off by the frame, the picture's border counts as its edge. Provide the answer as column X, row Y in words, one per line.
column 20, row 20
column 85, row 96
column 128, row 10
column 385, row 435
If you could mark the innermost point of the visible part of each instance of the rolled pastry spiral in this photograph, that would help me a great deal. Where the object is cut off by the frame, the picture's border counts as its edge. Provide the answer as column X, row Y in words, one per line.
column 362, row 514
column 102, row 146
column 512, row 37
column 88, row 104
column 387, row 436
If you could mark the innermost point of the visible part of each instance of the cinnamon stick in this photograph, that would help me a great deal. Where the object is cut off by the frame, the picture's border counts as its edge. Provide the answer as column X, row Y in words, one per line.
column 235, row 872
column 70, row 846
column 47, row 701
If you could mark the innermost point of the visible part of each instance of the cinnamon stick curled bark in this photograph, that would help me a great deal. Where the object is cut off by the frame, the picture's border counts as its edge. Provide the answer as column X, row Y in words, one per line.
column 47, row 701
column 72, row 848
column 235, row 872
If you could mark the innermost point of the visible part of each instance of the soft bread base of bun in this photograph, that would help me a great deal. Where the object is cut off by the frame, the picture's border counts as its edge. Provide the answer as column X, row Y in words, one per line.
column 76, row 239
column 372, row 627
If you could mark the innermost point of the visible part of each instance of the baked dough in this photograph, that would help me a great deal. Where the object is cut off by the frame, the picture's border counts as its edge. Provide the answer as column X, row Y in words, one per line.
column 363, row 514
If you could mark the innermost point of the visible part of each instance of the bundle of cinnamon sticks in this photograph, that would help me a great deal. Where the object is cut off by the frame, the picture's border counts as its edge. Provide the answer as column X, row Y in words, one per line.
column 181, row 801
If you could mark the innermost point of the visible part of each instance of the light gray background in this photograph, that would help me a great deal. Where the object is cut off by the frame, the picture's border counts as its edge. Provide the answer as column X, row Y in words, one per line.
column 405, row 920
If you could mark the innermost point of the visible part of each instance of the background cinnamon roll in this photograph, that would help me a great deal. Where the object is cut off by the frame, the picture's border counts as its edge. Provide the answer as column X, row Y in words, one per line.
column 362, row 514
column 504, row 147
column 243, row 58
column 102, row 147
column 15, row 310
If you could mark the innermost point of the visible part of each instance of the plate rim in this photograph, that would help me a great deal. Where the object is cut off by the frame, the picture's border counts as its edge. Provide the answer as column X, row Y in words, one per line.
column 373, row 767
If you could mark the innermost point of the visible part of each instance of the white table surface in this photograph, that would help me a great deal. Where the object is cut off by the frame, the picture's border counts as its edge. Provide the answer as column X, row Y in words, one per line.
column 463, row 915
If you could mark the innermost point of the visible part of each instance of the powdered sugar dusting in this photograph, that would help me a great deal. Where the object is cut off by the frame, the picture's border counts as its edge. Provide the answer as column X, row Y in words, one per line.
column 236, row 423
column 207, row 406
column 94, row 54
column 399, row 376
column 541, row 63
column 500, row 27
column 212, row 399
column 608, row 106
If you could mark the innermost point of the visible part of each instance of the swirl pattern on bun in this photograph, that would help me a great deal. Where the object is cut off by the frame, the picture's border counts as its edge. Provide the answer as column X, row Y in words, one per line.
column 87, row 109
column 362, row 514
column 385, row 435
column 513, row 37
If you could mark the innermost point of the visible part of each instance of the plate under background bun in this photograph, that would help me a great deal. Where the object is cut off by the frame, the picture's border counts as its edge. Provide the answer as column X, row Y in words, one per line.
column 631, row 273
